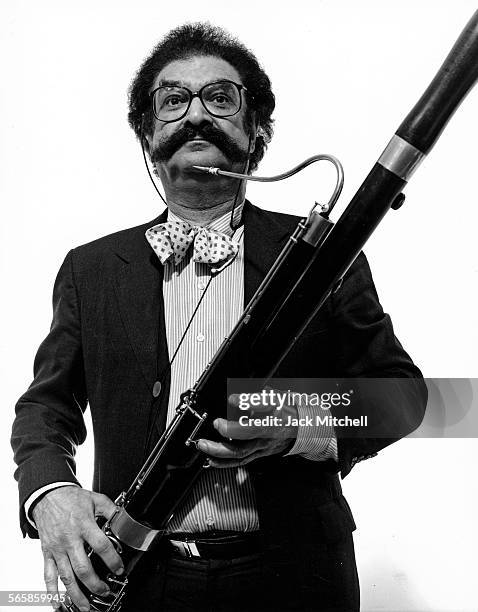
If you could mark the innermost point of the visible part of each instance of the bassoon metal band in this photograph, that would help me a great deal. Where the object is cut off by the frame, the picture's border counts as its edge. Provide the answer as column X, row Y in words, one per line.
column 130, row 532
column 401, row 158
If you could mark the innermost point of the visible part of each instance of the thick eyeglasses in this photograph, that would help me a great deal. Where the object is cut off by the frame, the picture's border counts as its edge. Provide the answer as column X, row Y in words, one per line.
column 220, row 99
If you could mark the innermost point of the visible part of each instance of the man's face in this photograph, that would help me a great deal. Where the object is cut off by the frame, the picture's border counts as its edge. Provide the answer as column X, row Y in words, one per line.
column 199, row 138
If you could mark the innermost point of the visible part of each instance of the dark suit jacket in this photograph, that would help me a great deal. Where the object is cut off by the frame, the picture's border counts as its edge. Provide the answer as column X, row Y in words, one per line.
column 107, row 346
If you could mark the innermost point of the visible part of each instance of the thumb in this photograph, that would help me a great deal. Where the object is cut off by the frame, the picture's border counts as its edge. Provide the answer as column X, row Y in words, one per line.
column 103, row 505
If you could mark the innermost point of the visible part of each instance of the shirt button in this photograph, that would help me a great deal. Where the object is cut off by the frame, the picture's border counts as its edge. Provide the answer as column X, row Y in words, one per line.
column 200, row 337
column 210, row 520
column 156, row 388
column 201, row 285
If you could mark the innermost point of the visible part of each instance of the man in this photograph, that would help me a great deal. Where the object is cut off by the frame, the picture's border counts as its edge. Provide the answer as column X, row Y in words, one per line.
column 137, row 317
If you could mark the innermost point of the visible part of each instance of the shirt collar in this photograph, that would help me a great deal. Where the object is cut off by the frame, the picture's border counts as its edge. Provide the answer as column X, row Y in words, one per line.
column 221, row 224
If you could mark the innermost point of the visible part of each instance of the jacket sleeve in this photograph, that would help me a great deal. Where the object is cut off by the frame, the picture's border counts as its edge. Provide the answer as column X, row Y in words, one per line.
column 49, row 421
column 365, row 347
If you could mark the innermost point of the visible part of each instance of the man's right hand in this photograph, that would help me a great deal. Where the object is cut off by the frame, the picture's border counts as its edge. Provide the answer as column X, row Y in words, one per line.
column 65, row 519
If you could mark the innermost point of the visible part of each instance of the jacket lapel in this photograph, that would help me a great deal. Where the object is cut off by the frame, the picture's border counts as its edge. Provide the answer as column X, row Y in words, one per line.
column 138, row 290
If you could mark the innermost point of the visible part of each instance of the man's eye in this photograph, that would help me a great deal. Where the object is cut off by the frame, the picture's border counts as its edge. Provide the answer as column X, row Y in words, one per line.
column 173, row 101
column 221, row 99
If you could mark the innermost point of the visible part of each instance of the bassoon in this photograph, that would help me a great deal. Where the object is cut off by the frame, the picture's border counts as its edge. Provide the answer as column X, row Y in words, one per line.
column 309, row 268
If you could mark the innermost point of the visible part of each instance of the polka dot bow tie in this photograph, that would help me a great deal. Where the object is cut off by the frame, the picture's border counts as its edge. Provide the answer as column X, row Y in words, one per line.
column 171, row 240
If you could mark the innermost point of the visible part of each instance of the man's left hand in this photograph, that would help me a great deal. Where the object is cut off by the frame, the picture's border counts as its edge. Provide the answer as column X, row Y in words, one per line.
column 244, row 443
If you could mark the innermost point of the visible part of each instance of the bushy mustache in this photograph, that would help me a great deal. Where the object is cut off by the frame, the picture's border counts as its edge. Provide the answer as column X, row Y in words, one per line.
column 223, row 142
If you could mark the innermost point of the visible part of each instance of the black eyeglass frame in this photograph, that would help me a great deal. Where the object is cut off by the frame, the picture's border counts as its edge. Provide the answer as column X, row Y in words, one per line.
column 198, row 94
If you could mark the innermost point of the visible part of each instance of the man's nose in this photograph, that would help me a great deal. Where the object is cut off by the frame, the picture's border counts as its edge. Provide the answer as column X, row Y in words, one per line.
column 197, row 114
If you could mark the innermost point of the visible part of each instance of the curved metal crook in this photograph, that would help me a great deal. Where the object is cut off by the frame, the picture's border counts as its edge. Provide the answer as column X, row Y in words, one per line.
column 279, row 177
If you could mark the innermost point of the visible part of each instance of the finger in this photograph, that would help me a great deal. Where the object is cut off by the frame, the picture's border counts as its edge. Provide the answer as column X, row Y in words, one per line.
column 67, row 576
column 217, row 448
column 50, row 576
column 229, row 450
column 103, row 505
column 103, row 547
column 234, row 400
column 235, row 431
column 84, row 571
column 232, row 463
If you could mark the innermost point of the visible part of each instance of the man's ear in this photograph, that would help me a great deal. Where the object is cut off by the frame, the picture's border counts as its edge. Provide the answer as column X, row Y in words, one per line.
column 259, row 134
column 255, row 131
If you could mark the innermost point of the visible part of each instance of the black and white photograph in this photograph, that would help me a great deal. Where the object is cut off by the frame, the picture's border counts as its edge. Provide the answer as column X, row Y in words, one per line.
column 240, row 274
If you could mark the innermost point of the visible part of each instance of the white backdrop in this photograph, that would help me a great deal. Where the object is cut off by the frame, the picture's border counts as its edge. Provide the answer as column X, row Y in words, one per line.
column 72, row 171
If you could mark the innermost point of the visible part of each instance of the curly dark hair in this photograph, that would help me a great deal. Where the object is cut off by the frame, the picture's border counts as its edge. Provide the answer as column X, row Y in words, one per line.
column 205, row 39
